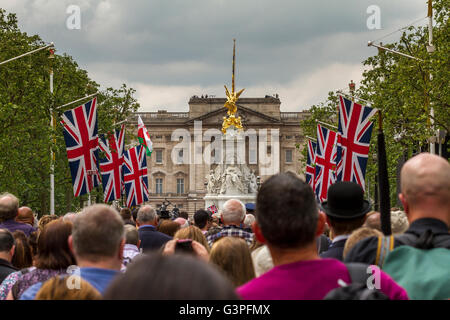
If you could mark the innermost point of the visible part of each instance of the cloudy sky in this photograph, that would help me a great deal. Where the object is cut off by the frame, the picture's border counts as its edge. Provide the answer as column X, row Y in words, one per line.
column 169, row 50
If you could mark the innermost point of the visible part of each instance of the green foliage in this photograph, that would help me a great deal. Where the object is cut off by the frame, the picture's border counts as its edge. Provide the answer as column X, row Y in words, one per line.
column 401, row 89
column 26, row 136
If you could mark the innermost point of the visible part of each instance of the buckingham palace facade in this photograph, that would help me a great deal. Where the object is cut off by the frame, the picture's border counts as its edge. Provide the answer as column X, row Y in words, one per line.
column 183, row 182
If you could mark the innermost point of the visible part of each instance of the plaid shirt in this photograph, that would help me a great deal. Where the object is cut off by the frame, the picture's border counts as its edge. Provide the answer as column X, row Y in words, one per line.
column 231, row 231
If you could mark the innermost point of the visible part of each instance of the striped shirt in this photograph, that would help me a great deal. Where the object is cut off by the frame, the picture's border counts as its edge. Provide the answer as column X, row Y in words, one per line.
column 231, row 231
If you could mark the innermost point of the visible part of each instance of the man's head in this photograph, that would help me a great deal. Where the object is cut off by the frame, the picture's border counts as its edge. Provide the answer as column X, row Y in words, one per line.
column 147, row 216
column 201, row 218
column 70, row 217
column 9, row 206
column 98, row 236
column 425, row 185
column 249, row 219
column 125, row 213
column 131, row 235
column 7, row 245
column 184, row 214
column 345, row 207
column 233, row 212
column 373, row 220
column 25, row 215
column 286, row 213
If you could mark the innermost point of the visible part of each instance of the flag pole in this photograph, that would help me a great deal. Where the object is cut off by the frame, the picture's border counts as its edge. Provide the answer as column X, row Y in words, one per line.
column 52, row 125
column 383, row 180
column 326, row 124
column 75, row 101
column 25, row 54
column 355, row 97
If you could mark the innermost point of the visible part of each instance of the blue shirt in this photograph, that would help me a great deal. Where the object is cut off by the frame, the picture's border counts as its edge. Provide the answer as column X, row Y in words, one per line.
column 98, row 278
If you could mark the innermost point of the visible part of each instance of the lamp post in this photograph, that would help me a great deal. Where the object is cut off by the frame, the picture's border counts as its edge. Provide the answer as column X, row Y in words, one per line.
column 51, row 45
column 430, row 49
column 51, row 48
column 351, row 87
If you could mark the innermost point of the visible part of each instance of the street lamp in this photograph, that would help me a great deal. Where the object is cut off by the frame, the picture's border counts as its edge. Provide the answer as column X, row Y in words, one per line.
column 51, row 45
column 351, row 87
column 51, row 48
column 430, row 49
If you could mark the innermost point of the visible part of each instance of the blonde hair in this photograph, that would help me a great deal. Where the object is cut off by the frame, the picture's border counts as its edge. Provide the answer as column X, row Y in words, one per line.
column 193, row 233
column 358, row 235
column 232, row 256
column 57, row 289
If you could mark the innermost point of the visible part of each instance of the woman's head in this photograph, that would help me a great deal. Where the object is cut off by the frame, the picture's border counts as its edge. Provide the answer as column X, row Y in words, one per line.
column 168, row 227
column 53, row 250
column 175, row 277
column 46, row 219
column 57, row 289
column 23, row 253
column 193, row 233
column 232, row 256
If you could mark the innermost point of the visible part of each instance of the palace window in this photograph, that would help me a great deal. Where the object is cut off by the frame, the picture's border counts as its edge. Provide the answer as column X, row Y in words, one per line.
column 289, row 156
column 180, row 186
column 159, row 185
column 159, row 156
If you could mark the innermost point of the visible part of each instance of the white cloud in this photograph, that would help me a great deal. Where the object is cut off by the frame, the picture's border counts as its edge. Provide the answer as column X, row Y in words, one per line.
column 299, row 94
column 171, row 50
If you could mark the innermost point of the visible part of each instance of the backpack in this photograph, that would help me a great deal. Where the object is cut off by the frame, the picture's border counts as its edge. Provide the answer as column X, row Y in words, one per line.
column 357, row 290
column 421, row 264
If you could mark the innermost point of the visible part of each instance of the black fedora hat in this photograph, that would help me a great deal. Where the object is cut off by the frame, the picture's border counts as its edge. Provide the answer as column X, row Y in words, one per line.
column 345, row 201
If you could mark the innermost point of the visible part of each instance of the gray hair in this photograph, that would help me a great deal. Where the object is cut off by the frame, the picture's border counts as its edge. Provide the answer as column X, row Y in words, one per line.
column 70, row 217
column 9, row 206
column 249, row 219
column 146, row 214
column 97, row 232
column 233, row 211
column 131, row 234
column 399, row 222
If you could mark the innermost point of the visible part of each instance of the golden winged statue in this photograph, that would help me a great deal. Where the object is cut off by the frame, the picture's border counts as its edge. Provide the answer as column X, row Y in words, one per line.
column 230, row 104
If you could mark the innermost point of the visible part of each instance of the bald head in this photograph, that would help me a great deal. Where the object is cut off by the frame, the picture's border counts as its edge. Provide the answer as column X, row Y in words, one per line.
column 25, row 215
column 425, row 181
column 9, row 204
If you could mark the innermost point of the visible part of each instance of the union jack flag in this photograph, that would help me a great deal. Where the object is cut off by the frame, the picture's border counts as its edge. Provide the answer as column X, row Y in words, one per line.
column 111, row 165
column 354, row 132
column 325, row 159
column 310, row 163
column 135, row 176
column 80, row 135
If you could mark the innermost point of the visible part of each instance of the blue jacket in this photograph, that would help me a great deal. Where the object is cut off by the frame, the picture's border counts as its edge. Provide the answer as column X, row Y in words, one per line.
column 151, row 239
column 335, row 250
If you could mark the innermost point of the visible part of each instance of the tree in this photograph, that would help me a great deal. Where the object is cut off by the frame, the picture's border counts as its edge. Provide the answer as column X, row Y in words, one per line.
column 26, row 137
column 402, row 90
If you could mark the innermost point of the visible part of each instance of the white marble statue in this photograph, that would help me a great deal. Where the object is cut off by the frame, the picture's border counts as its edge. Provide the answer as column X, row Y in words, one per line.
column 252, row 185
column 210, row 188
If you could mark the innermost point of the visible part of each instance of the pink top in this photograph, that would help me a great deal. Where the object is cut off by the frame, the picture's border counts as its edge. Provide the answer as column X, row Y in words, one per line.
column 308, row 280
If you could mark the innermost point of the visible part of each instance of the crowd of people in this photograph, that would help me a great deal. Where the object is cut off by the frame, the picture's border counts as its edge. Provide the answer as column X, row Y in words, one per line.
column 286, row 247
